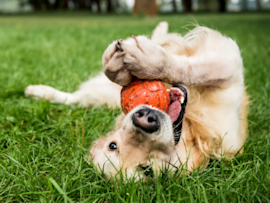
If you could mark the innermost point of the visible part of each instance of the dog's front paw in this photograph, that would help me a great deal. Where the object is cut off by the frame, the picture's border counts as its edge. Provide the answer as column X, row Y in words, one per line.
column 40, row 91
column 135, row 56
column 114, row 66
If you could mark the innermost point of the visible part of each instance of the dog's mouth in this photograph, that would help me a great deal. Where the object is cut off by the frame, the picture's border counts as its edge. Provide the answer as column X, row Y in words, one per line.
column 178, row 98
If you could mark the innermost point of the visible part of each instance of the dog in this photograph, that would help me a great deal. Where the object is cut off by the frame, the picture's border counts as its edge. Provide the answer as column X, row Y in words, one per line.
column 209, row 119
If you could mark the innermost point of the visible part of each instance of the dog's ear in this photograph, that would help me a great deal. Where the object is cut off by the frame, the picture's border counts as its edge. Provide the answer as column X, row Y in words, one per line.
column 97, row 147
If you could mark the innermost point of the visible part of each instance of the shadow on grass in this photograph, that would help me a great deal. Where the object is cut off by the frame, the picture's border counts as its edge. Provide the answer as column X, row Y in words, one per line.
column 14, row 94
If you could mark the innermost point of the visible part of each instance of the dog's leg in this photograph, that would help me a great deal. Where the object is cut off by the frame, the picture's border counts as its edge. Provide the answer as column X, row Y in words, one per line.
column 97, row 91
column 49, row 94
column 161, row 29
column 212, row 59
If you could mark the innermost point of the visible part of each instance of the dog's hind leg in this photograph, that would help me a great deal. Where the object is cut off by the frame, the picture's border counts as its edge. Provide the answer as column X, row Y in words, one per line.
column 49, row 94
column 96, row 91
column 161, row 29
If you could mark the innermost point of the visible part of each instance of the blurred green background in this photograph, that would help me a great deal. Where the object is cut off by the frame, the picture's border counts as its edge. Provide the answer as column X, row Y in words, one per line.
column 139, row 7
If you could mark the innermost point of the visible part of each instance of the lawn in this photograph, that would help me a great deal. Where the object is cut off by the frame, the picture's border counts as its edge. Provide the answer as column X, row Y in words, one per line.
column 42, row 145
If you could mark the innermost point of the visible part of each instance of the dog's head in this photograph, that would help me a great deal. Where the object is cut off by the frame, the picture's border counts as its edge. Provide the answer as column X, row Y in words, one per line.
column 145, row 140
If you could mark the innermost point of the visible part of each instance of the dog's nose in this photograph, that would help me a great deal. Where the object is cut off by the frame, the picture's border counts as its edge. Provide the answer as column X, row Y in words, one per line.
column 146, row 119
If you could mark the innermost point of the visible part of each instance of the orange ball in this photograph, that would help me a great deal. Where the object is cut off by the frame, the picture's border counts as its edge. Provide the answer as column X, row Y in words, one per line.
column 149, row 92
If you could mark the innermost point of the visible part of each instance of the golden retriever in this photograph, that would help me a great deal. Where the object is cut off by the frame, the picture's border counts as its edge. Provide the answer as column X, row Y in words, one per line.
column 209, row 116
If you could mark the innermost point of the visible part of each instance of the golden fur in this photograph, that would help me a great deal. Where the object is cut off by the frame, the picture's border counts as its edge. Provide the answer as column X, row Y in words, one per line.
column 207, row 63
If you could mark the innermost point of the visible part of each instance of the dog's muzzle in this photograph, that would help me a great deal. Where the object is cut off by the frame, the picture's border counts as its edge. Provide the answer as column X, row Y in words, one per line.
column 149, row 120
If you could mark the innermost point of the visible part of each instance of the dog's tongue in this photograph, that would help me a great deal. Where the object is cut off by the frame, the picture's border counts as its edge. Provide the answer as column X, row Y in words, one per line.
column 174, row 110
column 175, row 106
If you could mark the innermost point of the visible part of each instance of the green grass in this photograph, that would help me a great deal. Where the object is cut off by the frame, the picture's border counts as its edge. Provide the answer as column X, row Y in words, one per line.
column 41, row 150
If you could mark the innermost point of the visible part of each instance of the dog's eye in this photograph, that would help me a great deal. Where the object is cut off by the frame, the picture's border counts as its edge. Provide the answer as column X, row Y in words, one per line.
column 147, row 171
column 113, row 146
